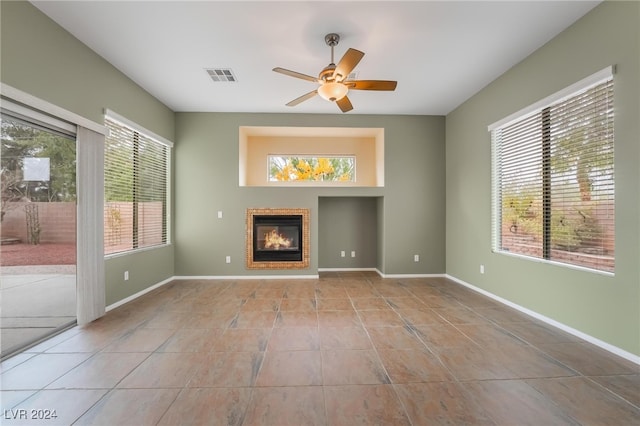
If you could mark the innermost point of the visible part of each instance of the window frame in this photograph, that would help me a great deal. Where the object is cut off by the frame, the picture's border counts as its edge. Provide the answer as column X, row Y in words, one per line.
column 316, row 157
column 141, row 131
column 541, row 109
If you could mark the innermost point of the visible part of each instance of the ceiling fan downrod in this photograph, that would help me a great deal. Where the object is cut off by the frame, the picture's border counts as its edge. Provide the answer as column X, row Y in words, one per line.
column 332, row 40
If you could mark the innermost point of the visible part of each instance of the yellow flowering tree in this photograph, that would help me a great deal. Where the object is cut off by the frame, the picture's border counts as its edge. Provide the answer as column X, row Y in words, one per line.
column 320, row 169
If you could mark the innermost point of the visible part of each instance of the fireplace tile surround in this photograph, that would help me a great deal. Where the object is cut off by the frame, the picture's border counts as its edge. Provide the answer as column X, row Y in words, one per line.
column 259, row 261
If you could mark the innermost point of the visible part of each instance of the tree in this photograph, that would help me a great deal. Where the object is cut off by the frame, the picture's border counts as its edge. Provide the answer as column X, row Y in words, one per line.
column 20, row 141
column 584, row 149
column 326, row 169
column 10, row 192
column 118, row 167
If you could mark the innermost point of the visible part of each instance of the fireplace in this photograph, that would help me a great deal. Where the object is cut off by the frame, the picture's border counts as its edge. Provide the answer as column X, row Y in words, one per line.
column 277, row 238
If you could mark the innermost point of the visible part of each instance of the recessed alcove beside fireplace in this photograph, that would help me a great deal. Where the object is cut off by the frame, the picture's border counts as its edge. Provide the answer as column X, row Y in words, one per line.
column 277, row 238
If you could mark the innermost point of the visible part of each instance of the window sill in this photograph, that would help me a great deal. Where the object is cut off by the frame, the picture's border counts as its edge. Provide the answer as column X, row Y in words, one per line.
column 552, row 262
column 136, row 251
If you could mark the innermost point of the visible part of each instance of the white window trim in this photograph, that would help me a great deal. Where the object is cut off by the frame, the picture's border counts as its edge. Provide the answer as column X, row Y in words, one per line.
column 138, row 128
column 567, row 92
column 33, row 102
column 587, row 82
column 89, row 136
column 18, row 110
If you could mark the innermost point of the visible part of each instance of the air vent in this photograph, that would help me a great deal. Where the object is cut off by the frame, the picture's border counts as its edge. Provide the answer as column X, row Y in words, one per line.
column 221, row 75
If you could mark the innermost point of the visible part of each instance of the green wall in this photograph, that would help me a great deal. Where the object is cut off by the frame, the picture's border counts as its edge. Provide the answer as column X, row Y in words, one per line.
column 207, row 182
column 42, row 59
column 605, row 307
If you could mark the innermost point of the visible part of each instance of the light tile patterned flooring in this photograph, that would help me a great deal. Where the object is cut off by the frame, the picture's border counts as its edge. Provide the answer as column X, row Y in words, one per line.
column 346, row 349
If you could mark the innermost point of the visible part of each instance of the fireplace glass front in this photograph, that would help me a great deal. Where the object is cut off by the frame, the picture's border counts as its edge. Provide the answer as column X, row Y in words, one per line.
column 277, row 238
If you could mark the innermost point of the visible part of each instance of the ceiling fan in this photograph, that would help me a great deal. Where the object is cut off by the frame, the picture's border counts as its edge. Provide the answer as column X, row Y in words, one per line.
column 333, row 81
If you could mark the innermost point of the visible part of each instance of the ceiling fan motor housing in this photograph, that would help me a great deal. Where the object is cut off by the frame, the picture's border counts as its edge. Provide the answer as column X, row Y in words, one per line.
column 326, row 74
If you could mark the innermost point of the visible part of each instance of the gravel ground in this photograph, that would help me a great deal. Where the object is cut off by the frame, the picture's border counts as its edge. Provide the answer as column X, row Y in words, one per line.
column 41, row 254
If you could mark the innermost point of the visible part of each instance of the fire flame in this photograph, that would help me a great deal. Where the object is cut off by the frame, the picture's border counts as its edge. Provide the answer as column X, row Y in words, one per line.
column 273, row 240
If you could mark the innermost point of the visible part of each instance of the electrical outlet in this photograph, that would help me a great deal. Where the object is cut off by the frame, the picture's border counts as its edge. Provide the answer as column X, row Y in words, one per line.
column 482, row 269
column 219, row 214
column 353, row 253
column 342, row 253
column 228, row 259
column 126, row 275
column 416, row 258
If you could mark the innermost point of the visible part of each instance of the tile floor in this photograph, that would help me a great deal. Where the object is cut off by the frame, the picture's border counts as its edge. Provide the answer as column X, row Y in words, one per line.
column 346, row 349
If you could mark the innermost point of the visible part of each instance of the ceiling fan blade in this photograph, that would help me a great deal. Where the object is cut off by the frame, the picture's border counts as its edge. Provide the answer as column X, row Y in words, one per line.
column 344, row 104
column 371, row 84
column 295, row 74
column 347, row 64
column 303, row 98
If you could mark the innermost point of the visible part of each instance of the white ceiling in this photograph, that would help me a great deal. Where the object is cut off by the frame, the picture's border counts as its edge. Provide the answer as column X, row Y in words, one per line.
column 441, row 53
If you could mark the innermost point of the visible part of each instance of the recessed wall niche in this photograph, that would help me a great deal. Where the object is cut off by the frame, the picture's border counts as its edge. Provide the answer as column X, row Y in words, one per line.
column 256, row 143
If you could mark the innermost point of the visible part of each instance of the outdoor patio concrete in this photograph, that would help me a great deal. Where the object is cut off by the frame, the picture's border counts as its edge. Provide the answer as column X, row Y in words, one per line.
column 34, row 301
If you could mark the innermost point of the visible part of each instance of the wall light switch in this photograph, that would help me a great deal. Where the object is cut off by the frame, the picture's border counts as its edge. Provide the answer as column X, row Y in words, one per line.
column 353, row 254
column 482, row 269
column 228, row 259
column 342, row 253
column 219, row 214
column 416, row 258
column 126, row 275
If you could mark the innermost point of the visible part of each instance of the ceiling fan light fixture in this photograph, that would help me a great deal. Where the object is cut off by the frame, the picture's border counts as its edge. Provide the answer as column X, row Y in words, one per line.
column 333, row 91
column 334, row 86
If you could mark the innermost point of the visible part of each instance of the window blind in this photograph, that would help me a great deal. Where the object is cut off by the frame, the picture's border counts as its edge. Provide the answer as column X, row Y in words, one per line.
column 136, row 189
column 553, row 180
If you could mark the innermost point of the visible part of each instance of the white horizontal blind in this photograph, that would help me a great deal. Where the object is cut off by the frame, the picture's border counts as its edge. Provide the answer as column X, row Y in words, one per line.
column 553, row 181
column 517, row 155
column 136, row 189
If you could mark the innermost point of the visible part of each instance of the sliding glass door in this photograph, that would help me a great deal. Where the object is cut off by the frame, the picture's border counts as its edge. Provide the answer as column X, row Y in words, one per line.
column 38, row 233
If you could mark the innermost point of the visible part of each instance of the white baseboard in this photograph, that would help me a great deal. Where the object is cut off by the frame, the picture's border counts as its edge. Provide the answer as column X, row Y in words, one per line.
column 257, row 277
column 382, row 275
column 347, row 269
column 205, row 277
column 138, row 294
column 310, row 276
column 600, row 343
column 411, row 275
column 245, row 277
